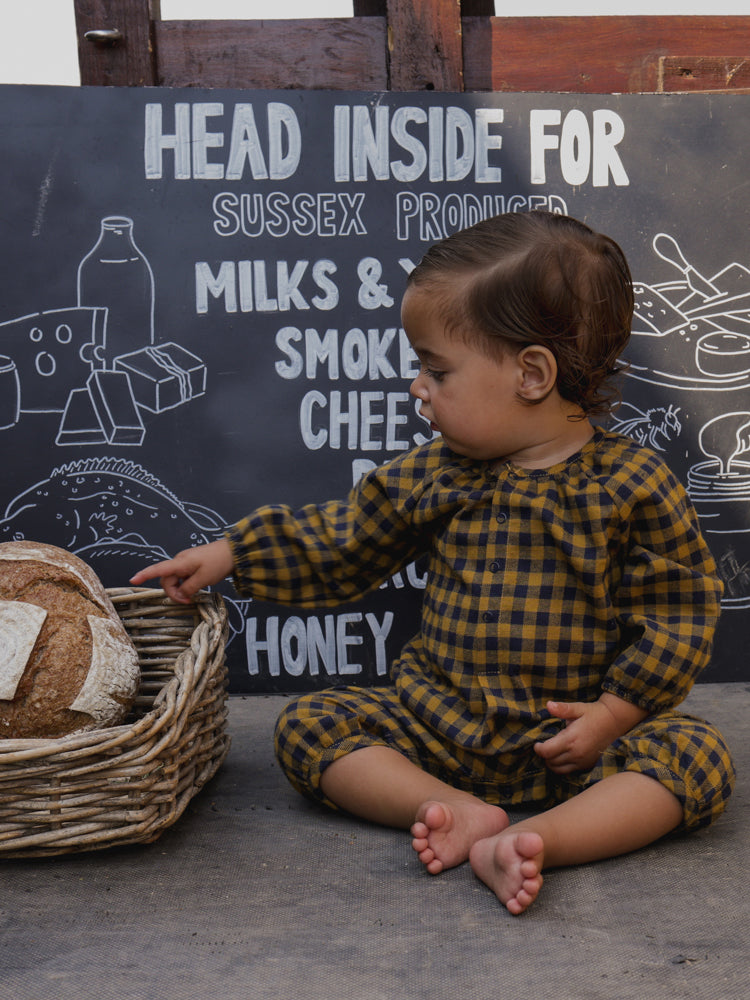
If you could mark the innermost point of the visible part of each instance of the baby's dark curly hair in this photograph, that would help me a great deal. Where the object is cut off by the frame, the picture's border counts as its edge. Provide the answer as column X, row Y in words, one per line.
column 538, row 278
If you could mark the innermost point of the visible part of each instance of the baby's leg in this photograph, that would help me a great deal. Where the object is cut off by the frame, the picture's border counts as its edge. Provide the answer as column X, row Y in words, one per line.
column 379, row 784
column 362, row 751
column 621, row 813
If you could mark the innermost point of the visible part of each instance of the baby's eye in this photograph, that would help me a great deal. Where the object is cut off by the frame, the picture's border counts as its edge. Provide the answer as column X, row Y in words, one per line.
column 432, row 373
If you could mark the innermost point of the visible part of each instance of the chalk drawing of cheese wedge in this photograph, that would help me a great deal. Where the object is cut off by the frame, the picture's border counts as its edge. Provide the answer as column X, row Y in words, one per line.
column 155, row 378
column 103, row 412
column 654, row 314
column 698, row 350
column 723, row 353
column 54, row 352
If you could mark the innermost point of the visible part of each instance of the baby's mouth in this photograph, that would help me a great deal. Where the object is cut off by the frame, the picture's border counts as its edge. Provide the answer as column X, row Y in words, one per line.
column 431, row 423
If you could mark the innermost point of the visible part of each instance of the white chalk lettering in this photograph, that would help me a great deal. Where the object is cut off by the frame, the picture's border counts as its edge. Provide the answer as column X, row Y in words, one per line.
column 584, row 149
column 261, row 286
column 277, row 214
column 354, row 420
column 300, row 646
column 195, row 146
column 432, row 217
column 223, row 284
column 445, row 143
column 376, row 354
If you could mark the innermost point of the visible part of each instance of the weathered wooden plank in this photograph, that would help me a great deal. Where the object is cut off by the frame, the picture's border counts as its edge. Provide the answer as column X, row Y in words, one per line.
column 379, row 8
column 128, row 62
column 588, row 54
column 477, row 8
column 320, row 54
column 688, row 74
column 424, row 42
column 369, row 8
column 415, row 45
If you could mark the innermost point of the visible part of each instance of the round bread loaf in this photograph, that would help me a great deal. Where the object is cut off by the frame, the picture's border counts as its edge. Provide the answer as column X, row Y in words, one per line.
column 66, row 662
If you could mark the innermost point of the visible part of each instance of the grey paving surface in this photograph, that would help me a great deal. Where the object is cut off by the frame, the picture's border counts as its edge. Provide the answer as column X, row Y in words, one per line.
column 256, row 894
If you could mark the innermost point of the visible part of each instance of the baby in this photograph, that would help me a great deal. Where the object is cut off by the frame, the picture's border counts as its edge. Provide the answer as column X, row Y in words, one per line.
column 570, row 601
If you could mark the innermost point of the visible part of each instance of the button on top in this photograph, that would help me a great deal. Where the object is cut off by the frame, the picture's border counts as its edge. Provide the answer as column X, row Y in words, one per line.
column 501, row 518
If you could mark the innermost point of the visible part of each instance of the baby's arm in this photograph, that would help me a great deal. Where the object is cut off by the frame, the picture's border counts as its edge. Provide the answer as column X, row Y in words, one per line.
column 589, row 729
column 190, row 570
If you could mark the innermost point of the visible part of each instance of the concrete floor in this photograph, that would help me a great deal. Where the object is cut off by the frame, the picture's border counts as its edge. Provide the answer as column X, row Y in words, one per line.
column 257, row 894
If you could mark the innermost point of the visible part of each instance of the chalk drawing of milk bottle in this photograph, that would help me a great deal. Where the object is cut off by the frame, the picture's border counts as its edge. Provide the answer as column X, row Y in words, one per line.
column 116, row 274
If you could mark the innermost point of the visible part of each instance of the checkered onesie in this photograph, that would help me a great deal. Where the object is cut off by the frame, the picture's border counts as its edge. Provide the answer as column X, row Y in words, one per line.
column 554, row 584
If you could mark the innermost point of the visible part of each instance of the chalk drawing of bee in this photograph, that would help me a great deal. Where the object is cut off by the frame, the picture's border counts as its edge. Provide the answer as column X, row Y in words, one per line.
column 654, row 427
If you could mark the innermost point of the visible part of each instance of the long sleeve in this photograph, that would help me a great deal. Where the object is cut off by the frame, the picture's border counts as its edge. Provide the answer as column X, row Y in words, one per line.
column 667, row 601
column 325, row 554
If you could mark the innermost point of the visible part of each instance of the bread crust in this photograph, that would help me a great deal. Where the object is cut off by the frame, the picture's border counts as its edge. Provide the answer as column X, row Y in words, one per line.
column 66, row 662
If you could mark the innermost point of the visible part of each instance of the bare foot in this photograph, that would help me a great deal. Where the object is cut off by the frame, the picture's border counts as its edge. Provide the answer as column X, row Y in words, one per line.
column 444, row 833
column 511, row 865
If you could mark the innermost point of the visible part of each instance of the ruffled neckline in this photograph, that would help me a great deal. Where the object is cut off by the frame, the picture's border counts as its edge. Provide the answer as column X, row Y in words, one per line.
column 493, row 471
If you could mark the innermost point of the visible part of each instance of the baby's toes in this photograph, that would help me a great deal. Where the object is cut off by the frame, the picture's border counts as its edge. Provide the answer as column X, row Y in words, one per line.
column 530, row 869
column 531, row 888
column 524, row 899
column 426, row 855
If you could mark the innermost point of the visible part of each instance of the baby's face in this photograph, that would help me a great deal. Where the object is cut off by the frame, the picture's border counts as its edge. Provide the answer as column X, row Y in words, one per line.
column 468, row 397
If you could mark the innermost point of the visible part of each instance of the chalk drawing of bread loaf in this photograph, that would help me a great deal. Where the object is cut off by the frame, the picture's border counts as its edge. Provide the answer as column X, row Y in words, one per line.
column 84, row 503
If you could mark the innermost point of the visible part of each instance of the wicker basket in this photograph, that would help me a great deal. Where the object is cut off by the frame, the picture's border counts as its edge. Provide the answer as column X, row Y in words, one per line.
column 128, row 783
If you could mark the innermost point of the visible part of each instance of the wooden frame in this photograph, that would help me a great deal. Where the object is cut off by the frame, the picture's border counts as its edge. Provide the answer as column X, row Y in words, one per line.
column 399, row 45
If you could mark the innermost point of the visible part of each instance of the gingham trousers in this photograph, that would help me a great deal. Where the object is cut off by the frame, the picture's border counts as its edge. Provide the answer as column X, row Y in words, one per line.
column 687, row 755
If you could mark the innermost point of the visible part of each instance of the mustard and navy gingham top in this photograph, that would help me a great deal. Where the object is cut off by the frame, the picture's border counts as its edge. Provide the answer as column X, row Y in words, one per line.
column 557, row 584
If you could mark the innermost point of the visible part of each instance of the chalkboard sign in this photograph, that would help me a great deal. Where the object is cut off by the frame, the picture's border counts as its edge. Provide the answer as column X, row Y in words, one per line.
column 200, row 314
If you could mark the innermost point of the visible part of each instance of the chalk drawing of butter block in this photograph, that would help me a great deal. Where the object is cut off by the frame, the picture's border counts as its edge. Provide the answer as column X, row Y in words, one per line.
column 80, row 422
column 163, row 376
column 118, row 415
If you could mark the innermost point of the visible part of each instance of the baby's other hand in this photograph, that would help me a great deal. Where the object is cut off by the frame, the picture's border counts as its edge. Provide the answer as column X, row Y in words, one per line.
column 190, row 571
column 589, row 729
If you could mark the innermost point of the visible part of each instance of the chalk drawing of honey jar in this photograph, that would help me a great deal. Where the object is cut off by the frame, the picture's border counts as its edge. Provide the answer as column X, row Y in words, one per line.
column 720, row 490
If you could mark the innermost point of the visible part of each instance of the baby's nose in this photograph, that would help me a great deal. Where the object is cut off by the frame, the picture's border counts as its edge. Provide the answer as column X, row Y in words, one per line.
column 418, row 388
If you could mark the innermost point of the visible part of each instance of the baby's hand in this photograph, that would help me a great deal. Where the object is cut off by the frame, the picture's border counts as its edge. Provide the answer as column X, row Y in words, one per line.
column 589, row 729
column 190, row 570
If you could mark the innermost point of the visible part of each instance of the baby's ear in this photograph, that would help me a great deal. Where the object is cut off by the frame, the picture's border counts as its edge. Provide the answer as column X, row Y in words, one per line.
column 538, row 369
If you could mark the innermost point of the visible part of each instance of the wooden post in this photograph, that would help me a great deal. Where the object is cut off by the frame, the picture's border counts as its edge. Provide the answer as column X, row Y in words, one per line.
column 424, row 45
column 115, row 43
